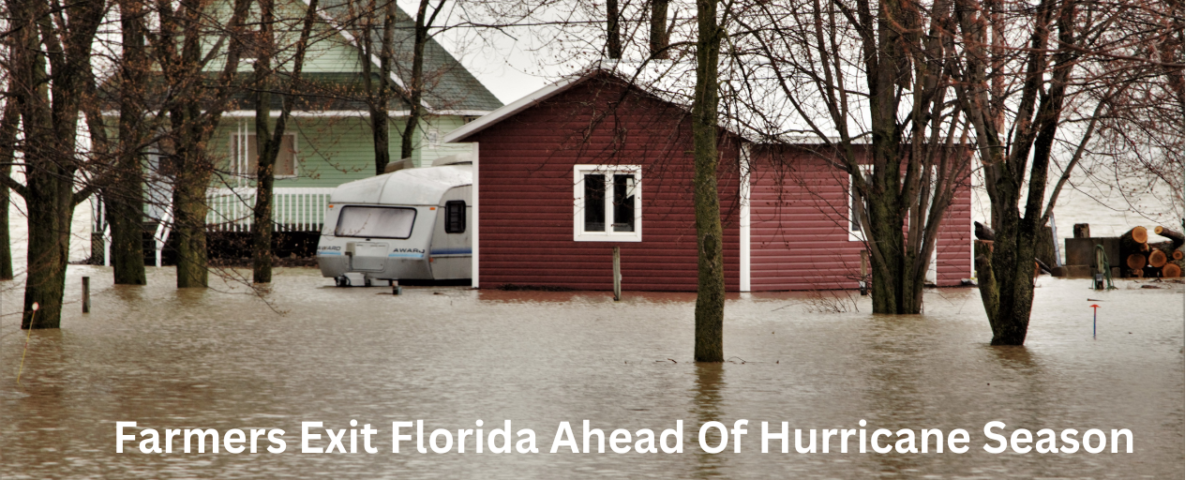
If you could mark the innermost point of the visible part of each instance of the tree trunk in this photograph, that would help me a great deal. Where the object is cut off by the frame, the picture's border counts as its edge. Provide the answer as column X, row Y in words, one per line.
column 49, row 209
column 659, row 37
column 612, row 32
column 49, row 121
column 267, row 148
column 377, row 100
column 416, row 85
column 710, row 287
column 192, row 177
column 123, row 200
column 269, row 144
column 8, row 138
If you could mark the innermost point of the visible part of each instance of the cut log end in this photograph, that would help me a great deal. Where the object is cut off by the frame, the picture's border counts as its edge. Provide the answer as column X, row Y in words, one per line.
column 1171, row 270
column 1177, row 255
column 1136, row 261
column 1157, row 258
column 1140, row 234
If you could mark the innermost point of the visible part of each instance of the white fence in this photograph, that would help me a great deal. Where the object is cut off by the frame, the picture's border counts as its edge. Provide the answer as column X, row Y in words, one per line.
column 293, row 209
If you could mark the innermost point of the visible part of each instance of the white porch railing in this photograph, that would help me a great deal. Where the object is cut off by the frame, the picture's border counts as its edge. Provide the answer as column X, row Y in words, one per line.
column 294, row 209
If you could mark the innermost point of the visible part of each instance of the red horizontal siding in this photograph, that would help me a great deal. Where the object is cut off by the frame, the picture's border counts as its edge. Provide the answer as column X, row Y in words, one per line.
column 526, row 193
column 799, row 228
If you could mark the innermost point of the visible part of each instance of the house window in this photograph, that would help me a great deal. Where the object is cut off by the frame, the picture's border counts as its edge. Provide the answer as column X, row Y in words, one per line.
column 608, row 203
column 456, row 216
column 245, row 154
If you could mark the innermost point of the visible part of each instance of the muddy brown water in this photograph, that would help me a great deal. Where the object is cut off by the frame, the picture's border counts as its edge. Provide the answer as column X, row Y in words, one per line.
column 224, row 359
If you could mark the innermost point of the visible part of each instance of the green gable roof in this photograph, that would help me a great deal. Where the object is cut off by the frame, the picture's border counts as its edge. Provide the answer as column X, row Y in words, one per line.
column 448, row 85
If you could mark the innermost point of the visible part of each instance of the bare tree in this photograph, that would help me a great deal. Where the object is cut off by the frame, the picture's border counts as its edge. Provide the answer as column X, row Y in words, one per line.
column 124, row 196
column 269, row 143
column 862, row 85
column 710, row 287
column 1035, row 83
column 195, row 104
column 416, row 82
column 50, row 64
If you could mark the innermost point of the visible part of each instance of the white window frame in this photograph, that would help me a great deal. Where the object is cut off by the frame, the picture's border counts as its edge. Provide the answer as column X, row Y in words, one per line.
column 239, row 143
column 856, row 235
column 608, row 235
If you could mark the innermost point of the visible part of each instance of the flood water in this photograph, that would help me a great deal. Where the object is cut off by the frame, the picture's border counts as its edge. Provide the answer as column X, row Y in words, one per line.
column 225, row 359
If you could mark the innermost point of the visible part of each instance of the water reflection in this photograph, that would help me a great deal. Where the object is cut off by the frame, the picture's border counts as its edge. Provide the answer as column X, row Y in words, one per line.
column 707, row 406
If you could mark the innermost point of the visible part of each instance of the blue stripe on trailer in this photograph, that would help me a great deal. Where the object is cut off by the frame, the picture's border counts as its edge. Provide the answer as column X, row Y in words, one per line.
column 451, row 251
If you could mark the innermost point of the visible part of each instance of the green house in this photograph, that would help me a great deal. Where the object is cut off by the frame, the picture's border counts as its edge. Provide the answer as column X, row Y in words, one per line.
column 328, row 138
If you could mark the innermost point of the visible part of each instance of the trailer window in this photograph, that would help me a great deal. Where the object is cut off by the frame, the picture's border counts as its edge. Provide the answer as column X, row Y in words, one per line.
column 456, row 216
column 375, row 222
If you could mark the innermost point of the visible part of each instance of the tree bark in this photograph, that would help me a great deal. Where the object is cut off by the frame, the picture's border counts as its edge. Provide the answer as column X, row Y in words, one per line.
column 416, row 83
column 612, row 31
column 193, row 120
column 270, row 144
column 377, row 100
column 659, row 37
column 123, row 199
column 8, row 138
column 267, row 147
column 49, row 120
column 710, row 294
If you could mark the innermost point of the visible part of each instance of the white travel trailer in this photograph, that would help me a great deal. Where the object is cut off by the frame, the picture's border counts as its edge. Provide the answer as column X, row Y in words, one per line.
column 410, row 224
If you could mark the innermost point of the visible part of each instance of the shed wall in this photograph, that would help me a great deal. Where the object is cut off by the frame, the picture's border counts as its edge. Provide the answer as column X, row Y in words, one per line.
column 800, row 220
column 526, row 193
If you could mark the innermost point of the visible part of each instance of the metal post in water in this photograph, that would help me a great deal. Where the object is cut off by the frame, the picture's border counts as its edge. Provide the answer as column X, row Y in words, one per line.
column 617, row 273
column 87, row 295
column 1094, row 309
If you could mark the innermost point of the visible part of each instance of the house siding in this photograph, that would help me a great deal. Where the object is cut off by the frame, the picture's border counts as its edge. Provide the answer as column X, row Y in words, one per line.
column 800, row 221
column 526, row 193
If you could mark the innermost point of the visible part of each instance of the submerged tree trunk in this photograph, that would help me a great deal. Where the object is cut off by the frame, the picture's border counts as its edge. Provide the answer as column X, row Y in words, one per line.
column 194, row 118
column 269, row 144
column 192, row 177
column 1008, row 155
column 49, row 120
column 8, row 138
column 267, row 147
column 123, row 199
column 710, row 285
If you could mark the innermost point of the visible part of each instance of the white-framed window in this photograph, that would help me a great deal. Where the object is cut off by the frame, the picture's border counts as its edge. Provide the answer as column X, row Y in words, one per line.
column 608, row 203
column 857, row 207
column 245, row 154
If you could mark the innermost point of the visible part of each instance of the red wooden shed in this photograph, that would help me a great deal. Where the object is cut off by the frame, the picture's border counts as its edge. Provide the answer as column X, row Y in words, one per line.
column 593, row 162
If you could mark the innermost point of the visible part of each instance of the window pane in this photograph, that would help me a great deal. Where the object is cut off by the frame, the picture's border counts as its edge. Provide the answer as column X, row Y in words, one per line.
column 593, row 203
column 456, row 216
column 285, row 163
column 375, row 222
column 624, row 190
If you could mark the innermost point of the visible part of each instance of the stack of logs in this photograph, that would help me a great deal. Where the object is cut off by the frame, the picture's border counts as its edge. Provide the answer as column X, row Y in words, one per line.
column 1142, row 259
